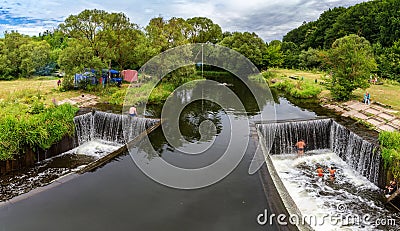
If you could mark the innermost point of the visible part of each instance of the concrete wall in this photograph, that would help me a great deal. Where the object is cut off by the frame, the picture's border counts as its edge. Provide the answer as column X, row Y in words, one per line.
column 29, row 158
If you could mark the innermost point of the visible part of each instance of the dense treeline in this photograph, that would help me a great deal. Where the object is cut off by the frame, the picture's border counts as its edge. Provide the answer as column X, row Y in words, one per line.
column 98, row 39
column 377, row 21
column 101, row 40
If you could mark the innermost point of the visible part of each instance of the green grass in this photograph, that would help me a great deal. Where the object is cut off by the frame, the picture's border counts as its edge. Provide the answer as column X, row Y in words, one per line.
column 387, row 93
column 30, row 124
column 298, row 88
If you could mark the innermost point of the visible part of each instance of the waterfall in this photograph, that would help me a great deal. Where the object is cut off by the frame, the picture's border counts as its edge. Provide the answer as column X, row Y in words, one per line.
column 358, row 153
column 282, row 136
column 109, row 127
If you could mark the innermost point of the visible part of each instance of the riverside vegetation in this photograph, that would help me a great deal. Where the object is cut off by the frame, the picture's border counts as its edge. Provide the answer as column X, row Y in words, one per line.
column 26, row 122
column 360, row 36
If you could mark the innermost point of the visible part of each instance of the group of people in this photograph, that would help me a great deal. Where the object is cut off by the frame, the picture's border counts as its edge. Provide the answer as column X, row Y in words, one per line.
column 374, row 79
column 331, row 170
column 300, row 146
column 391, row 188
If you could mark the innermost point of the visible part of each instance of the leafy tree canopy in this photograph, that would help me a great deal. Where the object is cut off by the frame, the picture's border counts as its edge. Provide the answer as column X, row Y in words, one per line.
column 351, row 60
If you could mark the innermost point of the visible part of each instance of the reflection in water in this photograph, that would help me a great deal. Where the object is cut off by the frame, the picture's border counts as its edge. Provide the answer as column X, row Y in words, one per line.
column 192, row 117
column 120, row 197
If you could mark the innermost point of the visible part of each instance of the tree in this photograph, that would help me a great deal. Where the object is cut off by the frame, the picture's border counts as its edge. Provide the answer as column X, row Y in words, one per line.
column 249, row 45
column 110, row 36
column 351, row 59
column 204, row 30
column 77, row 56
column 34, row 56
column 290, row 55
column 165, row 34
column 389, row 61
column 273, row 56
column 12, row 43
column 310, row 59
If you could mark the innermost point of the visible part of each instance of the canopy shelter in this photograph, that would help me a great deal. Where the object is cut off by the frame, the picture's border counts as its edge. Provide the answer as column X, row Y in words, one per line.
column 130, row 75
column 87, row 77
column 110, row 76
column 114, row 72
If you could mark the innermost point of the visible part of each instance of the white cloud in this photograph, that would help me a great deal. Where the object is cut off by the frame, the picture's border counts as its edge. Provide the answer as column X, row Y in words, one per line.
column 270, row 19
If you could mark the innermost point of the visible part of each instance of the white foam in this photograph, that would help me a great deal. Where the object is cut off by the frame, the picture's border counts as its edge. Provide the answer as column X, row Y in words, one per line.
column 318, row 198
column 95, row 148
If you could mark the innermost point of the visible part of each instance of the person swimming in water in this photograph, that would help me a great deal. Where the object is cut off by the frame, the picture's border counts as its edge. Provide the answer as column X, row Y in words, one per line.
column 320, row 171
column 332, row 172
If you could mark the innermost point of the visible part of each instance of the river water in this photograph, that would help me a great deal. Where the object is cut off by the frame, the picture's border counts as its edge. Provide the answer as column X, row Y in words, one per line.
column 119, row 196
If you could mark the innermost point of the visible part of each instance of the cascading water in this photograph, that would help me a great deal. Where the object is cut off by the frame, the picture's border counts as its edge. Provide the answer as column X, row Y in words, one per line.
column 108, row 127
column 358, row 165
column 359, row 154
column 281, row 137
column 98, row 134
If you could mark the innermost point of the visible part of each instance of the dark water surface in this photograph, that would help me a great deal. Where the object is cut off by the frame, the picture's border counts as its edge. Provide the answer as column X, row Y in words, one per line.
column 118, row 196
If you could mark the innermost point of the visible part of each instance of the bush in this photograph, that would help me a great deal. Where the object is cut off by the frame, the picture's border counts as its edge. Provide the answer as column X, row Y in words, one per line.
column 285, row 85
column 33, row 126
column 305, row 90
column 301, row 90
column 390, row 145
column 68, row 83
column 269, row 74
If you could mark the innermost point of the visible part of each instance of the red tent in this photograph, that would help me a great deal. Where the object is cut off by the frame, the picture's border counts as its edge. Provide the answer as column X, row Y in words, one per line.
column 130, row 75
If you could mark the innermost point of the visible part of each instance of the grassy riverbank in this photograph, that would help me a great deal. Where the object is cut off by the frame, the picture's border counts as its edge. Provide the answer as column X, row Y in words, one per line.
column 386, row 93
column 28, row 123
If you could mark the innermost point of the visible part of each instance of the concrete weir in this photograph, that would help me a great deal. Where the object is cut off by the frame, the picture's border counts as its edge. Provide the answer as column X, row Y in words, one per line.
column 341, row 146
column 104, row 130
column 285, row 198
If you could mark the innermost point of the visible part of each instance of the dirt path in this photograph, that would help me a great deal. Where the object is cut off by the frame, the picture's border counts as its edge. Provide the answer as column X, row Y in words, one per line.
column 85, row 100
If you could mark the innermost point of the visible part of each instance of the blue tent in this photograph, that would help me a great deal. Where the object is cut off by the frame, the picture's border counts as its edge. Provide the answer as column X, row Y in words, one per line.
column 87, row 76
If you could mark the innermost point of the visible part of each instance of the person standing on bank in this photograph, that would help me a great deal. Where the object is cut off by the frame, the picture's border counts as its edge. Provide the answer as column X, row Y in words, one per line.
column 300, row 147
column 367, row 98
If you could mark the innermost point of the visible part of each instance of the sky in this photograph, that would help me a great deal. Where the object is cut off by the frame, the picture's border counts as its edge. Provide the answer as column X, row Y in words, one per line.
column 270, row 19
